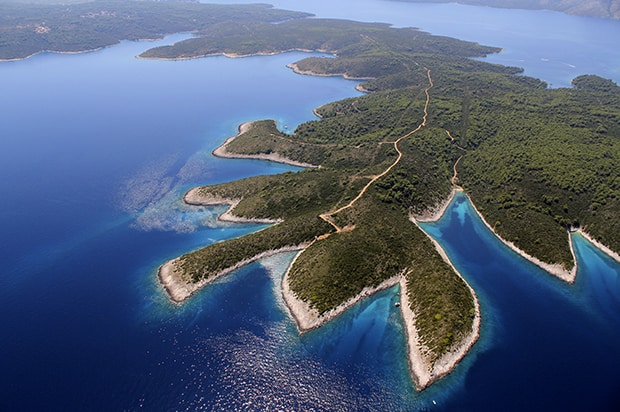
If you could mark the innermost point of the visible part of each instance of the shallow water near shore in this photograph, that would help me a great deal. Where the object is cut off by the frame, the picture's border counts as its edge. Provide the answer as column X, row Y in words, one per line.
column 96, row 152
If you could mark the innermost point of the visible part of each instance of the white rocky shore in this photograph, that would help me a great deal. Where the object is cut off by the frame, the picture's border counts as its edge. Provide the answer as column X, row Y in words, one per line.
column 615, row 256
column 424, row 368
column 194, row 197
column 554, row 269
column 179, row 287
column 222, row 151
column 425, row 371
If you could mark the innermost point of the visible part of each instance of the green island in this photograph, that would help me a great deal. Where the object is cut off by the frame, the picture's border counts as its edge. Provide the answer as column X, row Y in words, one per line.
column 536, row 162
column 28, row 29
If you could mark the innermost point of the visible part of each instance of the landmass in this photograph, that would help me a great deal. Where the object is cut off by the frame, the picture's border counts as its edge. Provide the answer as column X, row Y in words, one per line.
column 433, row 119
column 609, row 9
column 536, row 163
column 28, row 29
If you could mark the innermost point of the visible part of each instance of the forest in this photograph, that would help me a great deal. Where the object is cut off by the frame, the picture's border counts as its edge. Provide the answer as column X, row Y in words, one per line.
column 535, row 161
column 28, row 29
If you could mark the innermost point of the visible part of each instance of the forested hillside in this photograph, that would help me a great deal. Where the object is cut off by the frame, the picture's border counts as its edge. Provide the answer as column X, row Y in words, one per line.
column 536, row 161
column 609, row 9
column 27, row 29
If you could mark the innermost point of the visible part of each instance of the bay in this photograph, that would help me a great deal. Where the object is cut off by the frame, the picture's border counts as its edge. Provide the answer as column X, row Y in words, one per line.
column 545, row 345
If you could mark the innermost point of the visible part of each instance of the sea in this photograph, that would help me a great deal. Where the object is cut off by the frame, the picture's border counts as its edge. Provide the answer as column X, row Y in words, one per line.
column 96, row 151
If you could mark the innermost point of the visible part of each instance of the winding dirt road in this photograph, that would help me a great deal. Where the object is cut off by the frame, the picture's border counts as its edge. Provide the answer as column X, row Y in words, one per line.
column 328, row 216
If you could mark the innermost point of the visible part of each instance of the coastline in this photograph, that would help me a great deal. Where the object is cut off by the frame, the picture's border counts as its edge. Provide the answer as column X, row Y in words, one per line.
column 297, row 70
column 605, row 249
column 435, row 213
column 192, row 197
column 145, row 39
column 235, row 55
column 222, row 151
column 553, row 268
column 180, row 289
column 308, row 318
column 16, row 59
column 423, row 370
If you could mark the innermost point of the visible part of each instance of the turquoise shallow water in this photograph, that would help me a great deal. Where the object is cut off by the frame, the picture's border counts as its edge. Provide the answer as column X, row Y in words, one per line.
column 96, row 151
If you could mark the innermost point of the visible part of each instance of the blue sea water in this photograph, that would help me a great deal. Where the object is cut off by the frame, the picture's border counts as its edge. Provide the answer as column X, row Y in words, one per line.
column 545, row 345
column 96, row 151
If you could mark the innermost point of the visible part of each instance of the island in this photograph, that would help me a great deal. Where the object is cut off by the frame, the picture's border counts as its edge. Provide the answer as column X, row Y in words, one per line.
column 28, row 29
column 537, row 163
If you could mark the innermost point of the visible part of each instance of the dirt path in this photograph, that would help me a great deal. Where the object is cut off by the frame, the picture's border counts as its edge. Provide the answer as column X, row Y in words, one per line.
column 455, row 175
column 329, row 216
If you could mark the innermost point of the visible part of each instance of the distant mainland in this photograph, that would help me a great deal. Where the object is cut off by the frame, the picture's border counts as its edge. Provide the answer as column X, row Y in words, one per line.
column 536, row 162
column 607, row 9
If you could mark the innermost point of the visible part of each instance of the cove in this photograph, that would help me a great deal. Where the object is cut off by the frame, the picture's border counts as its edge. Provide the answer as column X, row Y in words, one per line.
column 545, row 345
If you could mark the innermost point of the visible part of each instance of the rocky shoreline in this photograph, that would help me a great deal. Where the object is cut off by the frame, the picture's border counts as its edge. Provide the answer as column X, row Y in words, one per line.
column 424, row 370
column 554, row 268
column 222, row 152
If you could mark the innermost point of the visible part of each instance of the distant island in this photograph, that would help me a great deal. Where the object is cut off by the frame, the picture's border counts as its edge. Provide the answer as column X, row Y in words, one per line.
column 536, row 163
column 28, row 29
column 608, row 9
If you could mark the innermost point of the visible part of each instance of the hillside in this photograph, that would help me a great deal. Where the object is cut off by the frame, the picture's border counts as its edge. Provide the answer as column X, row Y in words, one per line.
column 535, row 161
column 608, row 9
column 28, row 29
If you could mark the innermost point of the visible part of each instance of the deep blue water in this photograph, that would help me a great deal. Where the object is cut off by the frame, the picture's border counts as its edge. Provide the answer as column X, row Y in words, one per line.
column 96, row 151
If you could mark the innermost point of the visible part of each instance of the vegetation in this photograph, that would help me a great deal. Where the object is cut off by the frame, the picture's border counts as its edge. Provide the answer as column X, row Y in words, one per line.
column 31, row 28
column 383, row 243
column 353, row 142
column 362, row 47
column 535, row 161
column 548, row 158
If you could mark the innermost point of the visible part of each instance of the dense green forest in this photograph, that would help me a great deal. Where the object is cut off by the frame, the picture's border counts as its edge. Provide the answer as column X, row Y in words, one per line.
column 536, row 162
column 545, row 156
column 27, row 29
